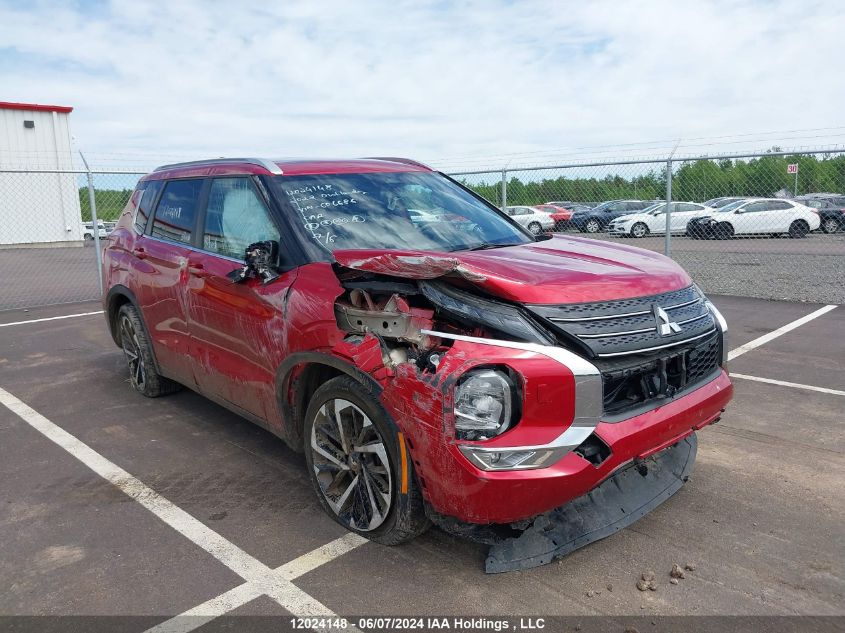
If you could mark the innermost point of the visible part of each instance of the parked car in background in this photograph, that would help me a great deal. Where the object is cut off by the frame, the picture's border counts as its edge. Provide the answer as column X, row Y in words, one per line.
column 718, row 203
column 88, row 231
column 531, row 218
column 831, row 208
column 597, row 218
column 560, row 215
column 653, row 219
column 756, row 216
column 426, row 373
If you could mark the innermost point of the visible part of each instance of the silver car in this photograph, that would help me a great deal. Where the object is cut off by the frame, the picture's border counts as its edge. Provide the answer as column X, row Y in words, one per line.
column 533, row 219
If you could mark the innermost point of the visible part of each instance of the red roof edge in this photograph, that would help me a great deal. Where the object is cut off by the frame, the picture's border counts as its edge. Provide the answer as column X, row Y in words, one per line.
column 37, row 107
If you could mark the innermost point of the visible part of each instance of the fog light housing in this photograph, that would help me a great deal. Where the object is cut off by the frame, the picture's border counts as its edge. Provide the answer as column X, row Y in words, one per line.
column 485, row 403
column 506, row 459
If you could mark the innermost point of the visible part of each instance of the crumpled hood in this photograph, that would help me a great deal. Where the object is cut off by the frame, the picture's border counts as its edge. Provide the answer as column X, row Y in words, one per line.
column 563, row 269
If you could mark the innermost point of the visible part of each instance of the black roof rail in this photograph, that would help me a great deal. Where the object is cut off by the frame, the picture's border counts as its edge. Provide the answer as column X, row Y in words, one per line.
column 269, row 165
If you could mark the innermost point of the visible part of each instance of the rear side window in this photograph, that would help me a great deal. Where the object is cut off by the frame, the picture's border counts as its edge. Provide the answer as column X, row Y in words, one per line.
column 235, row 218
column 146, row 204
column 175, row 213
column 777, row 205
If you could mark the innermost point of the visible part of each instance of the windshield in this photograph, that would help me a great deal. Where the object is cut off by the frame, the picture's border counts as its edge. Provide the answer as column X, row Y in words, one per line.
column 604, row 205
column 402, row 210
column 730, row 207
column 654, row 208
column 724, row 201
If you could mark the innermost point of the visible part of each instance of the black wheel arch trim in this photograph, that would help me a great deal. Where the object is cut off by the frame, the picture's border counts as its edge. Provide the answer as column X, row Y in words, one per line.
column 291, row 431
column 120, row 290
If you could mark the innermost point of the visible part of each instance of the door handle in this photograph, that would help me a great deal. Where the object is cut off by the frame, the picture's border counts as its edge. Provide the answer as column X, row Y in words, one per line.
column 197, row 270
column 139, row 252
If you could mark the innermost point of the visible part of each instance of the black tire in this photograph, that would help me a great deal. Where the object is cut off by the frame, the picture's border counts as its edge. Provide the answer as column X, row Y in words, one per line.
column 798, row 229
column 88, row 238
column 831, row 225
column 397, row 521
column 535, row 228
column 138, row 352
column 639, row 230
column 723, row 231
column 592, row 226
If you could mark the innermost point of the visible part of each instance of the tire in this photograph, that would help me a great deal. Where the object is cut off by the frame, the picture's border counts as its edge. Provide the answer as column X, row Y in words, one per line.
column 88, row 238
column 798, row 229
column 592, row 226
column 332, row 464
column 639, row 230
column 830, row 225
column 535, row 228
column 138, row 352
column 723, row 231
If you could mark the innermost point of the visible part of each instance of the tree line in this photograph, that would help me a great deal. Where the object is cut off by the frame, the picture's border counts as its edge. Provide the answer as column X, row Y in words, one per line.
column 110, row 203
column 696, row 181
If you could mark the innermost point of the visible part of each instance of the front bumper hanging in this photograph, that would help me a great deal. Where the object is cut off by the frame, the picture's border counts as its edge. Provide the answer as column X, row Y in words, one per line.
column 616, row 503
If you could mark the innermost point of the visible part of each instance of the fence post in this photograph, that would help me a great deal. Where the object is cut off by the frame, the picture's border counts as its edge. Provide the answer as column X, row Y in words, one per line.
column 504, row 190
column 94, row 223
column 667, row 242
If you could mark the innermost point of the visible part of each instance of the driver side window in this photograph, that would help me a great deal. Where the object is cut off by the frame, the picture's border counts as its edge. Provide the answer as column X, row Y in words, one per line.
column 235, row 218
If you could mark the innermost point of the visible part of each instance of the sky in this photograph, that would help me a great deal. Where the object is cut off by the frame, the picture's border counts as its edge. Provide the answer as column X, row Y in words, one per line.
column 463, row 84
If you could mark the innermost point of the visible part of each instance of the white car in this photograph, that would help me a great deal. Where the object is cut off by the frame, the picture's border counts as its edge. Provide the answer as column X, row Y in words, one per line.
column 757, row 216
column 88, row 231
column 653, row 219
column 532, row 219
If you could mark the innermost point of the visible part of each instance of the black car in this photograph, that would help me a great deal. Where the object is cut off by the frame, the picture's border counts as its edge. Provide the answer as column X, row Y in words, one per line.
column 831, row 208
column 597, row 218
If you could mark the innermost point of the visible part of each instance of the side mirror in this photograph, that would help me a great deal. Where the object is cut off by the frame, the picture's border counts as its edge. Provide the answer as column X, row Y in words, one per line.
column 260, row 261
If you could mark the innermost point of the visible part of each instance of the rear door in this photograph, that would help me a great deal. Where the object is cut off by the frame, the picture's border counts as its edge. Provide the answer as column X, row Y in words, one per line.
column 163, row 255
column 237, row 329
column 778, row 216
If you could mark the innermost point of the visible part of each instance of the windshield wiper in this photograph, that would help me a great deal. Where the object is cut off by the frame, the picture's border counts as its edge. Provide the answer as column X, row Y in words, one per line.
column 484, row 247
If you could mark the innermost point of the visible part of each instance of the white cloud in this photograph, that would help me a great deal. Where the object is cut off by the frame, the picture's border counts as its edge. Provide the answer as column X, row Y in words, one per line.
column 429, row 80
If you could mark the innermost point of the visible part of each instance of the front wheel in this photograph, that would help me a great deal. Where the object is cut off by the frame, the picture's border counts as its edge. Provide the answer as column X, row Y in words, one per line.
column 535, row 228
column 639, row 230
column 830, row 225
column 798, row 229
column 357, row 465
column 592, row 226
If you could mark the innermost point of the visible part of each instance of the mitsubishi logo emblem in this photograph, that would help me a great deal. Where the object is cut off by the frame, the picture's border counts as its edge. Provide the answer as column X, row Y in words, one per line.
column 665, row 326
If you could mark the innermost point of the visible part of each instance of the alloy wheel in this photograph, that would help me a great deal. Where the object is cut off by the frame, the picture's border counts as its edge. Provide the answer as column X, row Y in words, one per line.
column 535, row 228
column 593, row 226
column 831, row 225
column 132, row 352
column 351, row 465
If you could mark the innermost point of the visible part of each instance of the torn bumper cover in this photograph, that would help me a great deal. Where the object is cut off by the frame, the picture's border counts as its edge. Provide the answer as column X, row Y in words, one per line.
column 616, row 503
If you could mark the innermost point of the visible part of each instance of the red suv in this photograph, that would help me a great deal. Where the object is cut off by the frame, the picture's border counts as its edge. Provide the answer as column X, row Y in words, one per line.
column 432, row 359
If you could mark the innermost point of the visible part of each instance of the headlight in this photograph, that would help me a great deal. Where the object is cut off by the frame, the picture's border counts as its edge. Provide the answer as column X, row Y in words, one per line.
column 484, row 404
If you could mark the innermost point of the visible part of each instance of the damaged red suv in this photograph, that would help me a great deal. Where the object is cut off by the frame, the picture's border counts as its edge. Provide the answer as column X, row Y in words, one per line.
column 433, row 360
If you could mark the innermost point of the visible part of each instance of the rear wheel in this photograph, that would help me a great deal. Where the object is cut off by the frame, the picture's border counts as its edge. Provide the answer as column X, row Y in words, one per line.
column 639, row 230
column 535, row 228
column 355, row 462
column 592, row 226
column 723, row 231
column 830, row 225
column 798, row 229
column 138, row 353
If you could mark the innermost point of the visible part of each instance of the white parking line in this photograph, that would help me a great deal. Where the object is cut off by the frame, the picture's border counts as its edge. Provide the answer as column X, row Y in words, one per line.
column 276, row 583
column 55, row 318
column 757, row 342
column 783, row 383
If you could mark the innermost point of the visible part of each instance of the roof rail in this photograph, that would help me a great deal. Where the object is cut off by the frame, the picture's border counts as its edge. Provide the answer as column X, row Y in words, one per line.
column 395, row 159
column 269, row 165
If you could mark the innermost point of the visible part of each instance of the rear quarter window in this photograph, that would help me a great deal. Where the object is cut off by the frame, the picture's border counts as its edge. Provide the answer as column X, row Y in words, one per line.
column 142, row 214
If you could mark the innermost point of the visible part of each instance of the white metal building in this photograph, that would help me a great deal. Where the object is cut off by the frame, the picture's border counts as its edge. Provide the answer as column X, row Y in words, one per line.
column 37, row 208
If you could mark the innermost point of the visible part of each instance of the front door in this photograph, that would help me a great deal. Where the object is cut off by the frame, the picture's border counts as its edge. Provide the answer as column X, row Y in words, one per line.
column 237, row 329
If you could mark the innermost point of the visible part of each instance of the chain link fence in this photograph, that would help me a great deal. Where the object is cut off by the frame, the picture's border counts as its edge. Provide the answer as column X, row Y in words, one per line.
column 766, row 225
column 741, row 225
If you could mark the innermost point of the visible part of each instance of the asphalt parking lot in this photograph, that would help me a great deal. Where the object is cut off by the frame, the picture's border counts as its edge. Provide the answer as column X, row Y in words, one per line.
column 113, row 504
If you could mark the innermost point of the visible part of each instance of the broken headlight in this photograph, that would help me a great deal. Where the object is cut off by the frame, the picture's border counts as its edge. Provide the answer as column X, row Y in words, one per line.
column 485, row 403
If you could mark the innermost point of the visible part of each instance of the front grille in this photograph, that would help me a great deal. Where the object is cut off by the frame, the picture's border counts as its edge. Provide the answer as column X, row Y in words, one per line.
column 639, row 364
